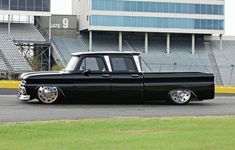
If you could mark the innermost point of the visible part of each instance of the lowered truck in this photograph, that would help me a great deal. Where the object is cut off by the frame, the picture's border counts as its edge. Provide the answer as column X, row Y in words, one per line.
column 114, row 77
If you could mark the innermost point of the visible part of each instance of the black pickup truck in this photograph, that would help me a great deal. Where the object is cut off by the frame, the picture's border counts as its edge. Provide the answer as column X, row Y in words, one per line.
column 114, row 77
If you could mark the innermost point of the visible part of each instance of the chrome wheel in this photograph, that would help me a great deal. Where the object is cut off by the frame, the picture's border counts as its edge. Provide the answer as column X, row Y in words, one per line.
column 180, row 96
column 48, row 95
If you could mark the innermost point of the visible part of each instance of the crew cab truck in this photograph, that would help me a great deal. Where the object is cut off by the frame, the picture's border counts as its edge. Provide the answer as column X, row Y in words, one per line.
column 114, row 77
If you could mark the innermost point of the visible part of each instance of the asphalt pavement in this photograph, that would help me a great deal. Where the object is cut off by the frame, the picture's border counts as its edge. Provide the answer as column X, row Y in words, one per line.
column 12, row 110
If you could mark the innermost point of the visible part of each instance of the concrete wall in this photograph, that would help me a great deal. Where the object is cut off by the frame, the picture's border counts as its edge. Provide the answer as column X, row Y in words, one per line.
column 62, row 25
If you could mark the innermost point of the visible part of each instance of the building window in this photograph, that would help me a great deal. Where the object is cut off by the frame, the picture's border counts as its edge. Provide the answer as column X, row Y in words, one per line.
column 161, row 7
column 156, row 22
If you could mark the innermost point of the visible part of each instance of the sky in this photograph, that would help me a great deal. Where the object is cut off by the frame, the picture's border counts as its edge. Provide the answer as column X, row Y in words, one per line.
column 65, row 7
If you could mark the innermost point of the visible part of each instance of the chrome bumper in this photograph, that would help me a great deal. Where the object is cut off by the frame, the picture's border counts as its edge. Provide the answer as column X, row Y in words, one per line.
column 23, row 97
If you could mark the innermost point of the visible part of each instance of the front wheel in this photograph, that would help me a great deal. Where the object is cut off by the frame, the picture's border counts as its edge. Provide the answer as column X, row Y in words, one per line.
column 180, row 96
column 48, row 95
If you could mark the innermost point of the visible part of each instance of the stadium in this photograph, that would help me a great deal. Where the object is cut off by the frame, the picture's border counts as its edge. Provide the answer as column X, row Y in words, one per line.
column 181, row 43
column 172, row 35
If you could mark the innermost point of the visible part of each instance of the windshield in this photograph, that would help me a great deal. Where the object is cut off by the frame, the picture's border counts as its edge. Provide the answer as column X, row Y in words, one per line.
column 72, row 63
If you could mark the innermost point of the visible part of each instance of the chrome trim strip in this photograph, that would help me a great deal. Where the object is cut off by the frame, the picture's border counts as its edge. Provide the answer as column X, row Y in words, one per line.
column 107, row 60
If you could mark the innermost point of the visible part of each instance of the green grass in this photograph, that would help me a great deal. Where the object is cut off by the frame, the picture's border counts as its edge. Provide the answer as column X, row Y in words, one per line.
column 183, row 133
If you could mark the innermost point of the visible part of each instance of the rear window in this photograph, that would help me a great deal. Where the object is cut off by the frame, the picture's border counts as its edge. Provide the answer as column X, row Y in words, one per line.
column 123, row 64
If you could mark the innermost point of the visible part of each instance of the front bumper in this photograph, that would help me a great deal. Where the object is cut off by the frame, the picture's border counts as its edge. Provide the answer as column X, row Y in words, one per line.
column 22, row 96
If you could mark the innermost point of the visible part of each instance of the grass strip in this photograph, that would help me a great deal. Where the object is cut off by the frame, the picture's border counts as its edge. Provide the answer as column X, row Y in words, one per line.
column 183, row 133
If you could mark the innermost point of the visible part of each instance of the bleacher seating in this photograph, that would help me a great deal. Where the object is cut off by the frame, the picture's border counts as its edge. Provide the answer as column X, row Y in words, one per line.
column 179, row 60
column 225, row 59
column 12, row 54
column 19, row 32
column 69, row 45
column 22, row 32
column 3, row 66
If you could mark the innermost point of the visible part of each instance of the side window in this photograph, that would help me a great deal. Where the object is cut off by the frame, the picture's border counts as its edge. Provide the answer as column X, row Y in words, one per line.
column 123, row 64
column 93, row 63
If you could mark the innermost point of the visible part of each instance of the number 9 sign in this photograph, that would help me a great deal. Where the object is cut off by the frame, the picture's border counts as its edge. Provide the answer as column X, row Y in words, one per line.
column 65, row 23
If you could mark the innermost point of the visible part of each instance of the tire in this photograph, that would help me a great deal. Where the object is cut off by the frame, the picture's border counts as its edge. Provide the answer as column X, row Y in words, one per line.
column 180, row 96
column 48, row 95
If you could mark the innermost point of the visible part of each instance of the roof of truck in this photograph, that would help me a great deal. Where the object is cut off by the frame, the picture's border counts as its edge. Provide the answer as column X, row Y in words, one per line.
column 105, row 53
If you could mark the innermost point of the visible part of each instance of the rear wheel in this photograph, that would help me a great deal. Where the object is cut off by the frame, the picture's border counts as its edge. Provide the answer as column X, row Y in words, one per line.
column 48, row 95
column 180, row 96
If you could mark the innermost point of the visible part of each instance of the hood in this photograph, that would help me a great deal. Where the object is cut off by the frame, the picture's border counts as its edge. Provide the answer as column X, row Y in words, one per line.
column 30, row 74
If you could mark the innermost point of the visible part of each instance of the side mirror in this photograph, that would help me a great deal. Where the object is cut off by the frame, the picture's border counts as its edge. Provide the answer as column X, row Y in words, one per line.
column 86, row 72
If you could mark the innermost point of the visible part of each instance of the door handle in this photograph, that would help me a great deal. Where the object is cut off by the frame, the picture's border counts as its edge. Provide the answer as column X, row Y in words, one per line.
column 135, row 75
column 105, row 75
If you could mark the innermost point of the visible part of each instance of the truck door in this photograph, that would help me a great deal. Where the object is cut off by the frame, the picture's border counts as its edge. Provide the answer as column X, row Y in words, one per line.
column 126, row 80
column 93, row 82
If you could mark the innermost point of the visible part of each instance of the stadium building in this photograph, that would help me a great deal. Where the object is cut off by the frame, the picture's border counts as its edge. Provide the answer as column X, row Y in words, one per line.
column 172, row 35
column 148, row 16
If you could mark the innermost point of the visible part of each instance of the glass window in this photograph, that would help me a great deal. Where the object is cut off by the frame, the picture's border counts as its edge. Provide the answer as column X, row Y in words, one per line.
column 209, row 9
column 165, row 7
column 107, row 5
column 38, row 5
column 221, row 25
column 221, row 10
column 197, row 8
column 147, row 7
column 203, row 9
column 123, row 64
column 216, row 9
column 30, row 5
column 127, row 6
column 21, row 4
column 14, row 4
column 203, row 24
column 184, row 8
column 159, row 7
column 191, row 8
column 209, row 24
column 198, row 24
column 155, row 22
column 94, row 5
column 140, row 6
column 153, row 7
column 215, row 24
column 172, row 7
column 46, row 5
column 133, row 6
column 93, row 64
column 5, row 4
column 178, row 8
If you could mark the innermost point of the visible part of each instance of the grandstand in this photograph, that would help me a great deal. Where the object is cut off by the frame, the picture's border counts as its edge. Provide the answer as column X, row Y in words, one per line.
column 170, row 35
column 225, row 59
column 17, row 28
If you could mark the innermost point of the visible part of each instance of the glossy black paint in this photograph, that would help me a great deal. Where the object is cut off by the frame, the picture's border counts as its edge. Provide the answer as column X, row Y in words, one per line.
column 123, row 87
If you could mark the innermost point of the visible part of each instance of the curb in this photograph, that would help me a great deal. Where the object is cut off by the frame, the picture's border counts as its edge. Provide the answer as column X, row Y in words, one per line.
column 4, row 84
column 225, row 90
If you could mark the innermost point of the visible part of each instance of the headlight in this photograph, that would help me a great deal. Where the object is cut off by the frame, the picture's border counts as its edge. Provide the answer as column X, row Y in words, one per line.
column 23, row 81
column 22, row 90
